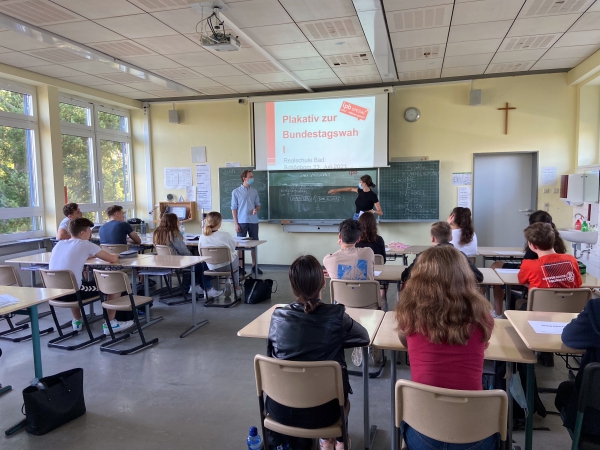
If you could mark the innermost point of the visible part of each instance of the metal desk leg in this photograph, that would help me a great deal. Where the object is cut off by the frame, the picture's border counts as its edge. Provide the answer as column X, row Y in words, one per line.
column 529, row 418
column 255, row 254
column 393, row 402
column 195, row 325
column 35, row 341
column 369, row 430
column 149, row 320
column 510, row 366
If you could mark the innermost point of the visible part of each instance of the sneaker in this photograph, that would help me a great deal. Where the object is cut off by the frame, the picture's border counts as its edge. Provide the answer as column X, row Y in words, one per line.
column 327, row 444
column 494, row 315
column 239, row 293
column 340, row 445
column 117, row 326
column 76, row 324
column 213, row 293
column 376, row 354
column 199, row 291
column 228, row 290
column 260, row 272
column 357, row 356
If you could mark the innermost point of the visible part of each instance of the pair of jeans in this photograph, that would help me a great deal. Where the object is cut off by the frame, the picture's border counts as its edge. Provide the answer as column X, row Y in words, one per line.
column 417, row 441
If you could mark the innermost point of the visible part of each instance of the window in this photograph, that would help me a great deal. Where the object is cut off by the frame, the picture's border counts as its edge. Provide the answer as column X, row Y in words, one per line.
column 21, row 209
column 96, row 157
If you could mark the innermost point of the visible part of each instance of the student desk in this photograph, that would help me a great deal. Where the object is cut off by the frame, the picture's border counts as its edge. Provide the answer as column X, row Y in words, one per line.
column 504, row 345
column 512, row 278
column 368, row 318
column 500, row 253
column 410, row 250
column 33, row 261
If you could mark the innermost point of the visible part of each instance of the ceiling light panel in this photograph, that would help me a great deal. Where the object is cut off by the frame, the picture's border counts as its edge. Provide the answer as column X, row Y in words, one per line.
column 332, row 28
column 510, row 67
column 350, row 59
column 541, row 8
column 419, row 75
column 423, row 52
column 57, row 55
column 122, row 49
column 368, row 79
column 38, row 12
column 529, row 42
column 307, row 10
column 418, row 19
column 160, row 5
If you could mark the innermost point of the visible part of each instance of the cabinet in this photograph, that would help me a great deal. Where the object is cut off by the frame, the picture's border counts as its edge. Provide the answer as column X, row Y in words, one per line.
column 579, row 188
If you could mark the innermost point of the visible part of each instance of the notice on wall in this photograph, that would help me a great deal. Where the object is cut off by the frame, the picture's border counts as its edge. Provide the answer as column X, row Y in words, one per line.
column 464, row 196
column 190, row 194
column 203, row 187
column 232, row 164
column 199, row 154
column 462, row 179
column 178, row 177
column 548, row 176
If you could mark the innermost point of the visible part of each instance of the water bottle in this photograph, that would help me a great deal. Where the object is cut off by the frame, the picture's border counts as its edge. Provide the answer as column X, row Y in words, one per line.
column 182, row 229
column 228, row 287
column 143, row 228
column 254, row 439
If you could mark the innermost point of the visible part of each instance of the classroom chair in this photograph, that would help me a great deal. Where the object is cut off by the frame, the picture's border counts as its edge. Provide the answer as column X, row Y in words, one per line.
column 10, row 277
column 379, row 261
column 64, row 279
column 219, row 255
column 558, row 300
column 166, row 274
column 449, row 415
column 116, row 282
column 589, row 397
column 292, row 384
column 114, row 249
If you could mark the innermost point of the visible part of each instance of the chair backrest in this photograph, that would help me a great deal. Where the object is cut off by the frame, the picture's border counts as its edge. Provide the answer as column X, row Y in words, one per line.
column 58, row 279
column 451, row 416
column 379, row 261
column 362, row 294
column 115, row 249
column 112, row 281
column 9, row 276
column 299, row 384
column 164, row 250
column 589, row 392
column 558, row 300
column 217, row 255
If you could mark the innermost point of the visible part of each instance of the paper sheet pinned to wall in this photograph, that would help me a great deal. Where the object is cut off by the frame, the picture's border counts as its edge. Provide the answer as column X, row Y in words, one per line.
column 548, row 176
column 203, row 187
column 178, row 177
column 464, row 196
column 199, row 154
column 462, row 178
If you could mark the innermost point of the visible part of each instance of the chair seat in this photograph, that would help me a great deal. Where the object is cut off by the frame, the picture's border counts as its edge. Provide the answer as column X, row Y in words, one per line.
column 332, row 431
column 59, row 304
column 124, row 304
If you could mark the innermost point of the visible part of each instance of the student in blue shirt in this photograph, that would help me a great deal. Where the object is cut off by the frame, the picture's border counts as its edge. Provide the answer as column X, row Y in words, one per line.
column 117, row 230
column 245, row 205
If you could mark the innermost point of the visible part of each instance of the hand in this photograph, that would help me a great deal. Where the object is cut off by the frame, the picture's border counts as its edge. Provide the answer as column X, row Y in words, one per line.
column 254, row 212
column 238, row 229
column 332, row 191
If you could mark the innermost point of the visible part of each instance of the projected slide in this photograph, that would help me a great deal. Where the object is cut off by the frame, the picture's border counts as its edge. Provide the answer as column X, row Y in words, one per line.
column 336, row 133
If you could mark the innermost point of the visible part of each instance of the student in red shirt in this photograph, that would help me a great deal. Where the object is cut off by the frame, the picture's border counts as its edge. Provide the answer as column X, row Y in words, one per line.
column 551, row 269
column 446, row 324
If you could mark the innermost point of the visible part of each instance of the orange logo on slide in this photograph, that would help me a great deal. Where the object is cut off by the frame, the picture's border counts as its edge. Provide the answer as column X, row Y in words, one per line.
column 354, row 110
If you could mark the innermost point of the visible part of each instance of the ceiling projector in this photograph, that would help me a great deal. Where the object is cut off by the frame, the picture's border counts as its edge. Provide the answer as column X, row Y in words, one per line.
column 220, row 42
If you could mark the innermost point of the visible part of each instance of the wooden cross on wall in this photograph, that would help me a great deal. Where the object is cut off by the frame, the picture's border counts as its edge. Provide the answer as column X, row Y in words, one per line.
column 506, row 109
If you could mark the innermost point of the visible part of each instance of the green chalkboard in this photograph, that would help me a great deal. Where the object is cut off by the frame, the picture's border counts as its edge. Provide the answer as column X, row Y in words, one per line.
column 410, row 191
column 229, row 179
column 303, row 195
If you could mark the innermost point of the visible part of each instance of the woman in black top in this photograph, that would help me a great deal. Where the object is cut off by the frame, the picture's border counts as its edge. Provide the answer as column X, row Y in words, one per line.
column 370, row 238
column 367, row 200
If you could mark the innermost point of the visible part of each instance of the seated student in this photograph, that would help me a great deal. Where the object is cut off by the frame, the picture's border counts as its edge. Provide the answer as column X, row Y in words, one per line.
column 582, row 333
column 445, row 323
column 369, row 238
column 350, row 262
column 167, row 233
column 71, row 255
column 212, row 236
column 463, row 233
column 559, row 247
column 71, row 211
column 441, row 233
column 308, row 330
column 117, row 230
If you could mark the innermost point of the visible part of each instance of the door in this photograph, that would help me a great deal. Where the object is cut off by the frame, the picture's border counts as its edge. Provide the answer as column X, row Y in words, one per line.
column 504, row 195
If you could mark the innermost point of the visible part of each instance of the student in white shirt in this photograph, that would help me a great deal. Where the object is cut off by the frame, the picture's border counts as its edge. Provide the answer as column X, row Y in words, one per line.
column 213, row 237
column 71, row 211
column 71, row 254
column 463, row 233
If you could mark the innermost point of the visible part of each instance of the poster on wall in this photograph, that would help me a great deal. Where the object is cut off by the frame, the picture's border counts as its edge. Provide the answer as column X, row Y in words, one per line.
column 178, row 177
column 462, row 178
column 203, row 187
column 464, row 196
column 548, row 176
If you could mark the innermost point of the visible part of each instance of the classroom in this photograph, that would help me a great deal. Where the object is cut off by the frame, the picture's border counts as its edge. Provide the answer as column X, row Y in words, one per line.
column 166, row 108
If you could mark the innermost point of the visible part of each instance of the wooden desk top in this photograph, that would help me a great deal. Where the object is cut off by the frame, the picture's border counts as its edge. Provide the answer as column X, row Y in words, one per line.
column 410, row 250
column 248, row 244
column 490, row 277
column 536, row 341
column 389, row 272
column 30, row 296
column 38, row 258
column 589, row 281
column 259, row 327
column 387, row 335
column 167, row 262
column 122, row 262
column 147, row 242
column 515, row 252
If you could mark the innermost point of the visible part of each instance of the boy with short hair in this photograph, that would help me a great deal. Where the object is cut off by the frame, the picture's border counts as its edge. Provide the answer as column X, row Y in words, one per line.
column 350, row 262
column 116, row 230
column 71, row 211
column 551, row 269
column 71, row 254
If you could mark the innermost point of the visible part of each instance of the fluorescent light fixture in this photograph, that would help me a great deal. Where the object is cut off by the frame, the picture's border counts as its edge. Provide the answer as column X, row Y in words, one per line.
column 88, row 53
column 372, row 20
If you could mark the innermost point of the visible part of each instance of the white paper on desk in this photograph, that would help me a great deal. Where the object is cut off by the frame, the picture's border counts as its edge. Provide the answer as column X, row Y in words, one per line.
column 547, row 327
column 8, row 300
column 507, row 270
column 509, row 253
column 377, row 272
column 240, row 238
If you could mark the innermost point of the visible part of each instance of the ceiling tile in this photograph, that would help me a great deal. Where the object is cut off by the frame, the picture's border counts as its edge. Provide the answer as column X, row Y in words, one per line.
column 245, row 88
column 542, row 41
column 122, row 77
column 291, row 51
column 222, row 70
column 519, row 55
column 256, row 13
column 137, row 26
column 419, row 19
column 57, row 55
column 92, row 67
column 331, row 28
column 324, row 82
column 468, row 60
column 245, row 56
column 5, row 50
column 170, row 45
column 541, row 8
column 580, row 51
column 98, row 9
column 122, row 49
column 349, row 59
column 315, row 74
column 197, row 58
column 420, row 52
column 284, row 86
column 141, row 95
column 236, row 80
column 307, row 10
column 145, row 86
column 160, row 5
column 151, row 62
column 589, row 21
column 510, row 67
column 56, row 71
column 463, row 71
column 342, row 46
column 419, row 75
column 368, row 79
column 271, row 77
column 571, row 38
column 304, row 63
column 258, row 67
column 197, row 83
column 594, row 7
column 86, row 80
column 217, row 90
column 287, row 33
column 21, row 60
column 542, row 25
column 479, row 31
column 38, row 12
column 485, row 11
column 84, row 32
column 182, row 20
column 547, row 64
column 117, row 89
column 397, row 5
column 472, row 47
column 18, row 42
column 420, row 64
column 176, row 74
column 415, row 38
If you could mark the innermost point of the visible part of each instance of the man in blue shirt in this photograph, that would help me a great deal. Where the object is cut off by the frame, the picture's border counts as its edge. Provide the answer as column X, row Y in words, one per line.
column 245, row 205
column 116, row 230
